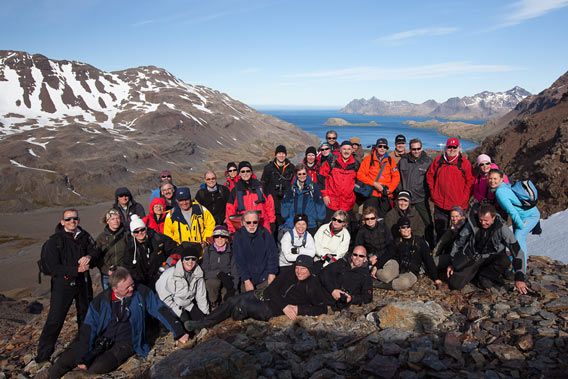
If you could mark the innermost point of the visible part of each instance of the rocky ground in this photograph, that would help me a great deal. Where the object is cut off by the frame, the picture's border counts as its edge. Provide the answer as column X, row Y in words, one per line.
column 419, row 333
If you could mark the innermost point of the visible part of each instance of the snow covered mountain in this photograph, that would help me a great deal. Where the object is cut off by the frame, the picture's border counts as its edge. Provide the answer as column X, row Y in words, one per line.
column 483, row 105
column 70, row 132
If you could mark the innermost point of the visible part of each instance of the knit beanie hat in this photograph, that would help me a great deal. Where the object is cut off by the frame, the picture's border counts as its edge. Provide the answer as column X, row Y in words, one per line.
column 300, row 217
column 403, row 221
column 231, row 164
column 221, row 230
column 483, row 158
column 305, row 261
column 244, row 164
column 280, row 149
column 136, row 223
column 311, row 150
column 346, row 143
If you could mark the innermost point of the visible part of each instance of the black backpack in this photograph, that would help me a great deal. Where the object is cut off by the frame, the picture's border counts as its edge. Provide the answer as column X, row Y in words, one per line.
column 43, row 262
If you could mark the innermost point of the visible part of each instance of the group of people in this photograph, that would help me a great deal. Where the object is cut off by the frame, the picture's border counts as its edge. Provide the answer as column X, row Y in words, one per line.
column 301, row 238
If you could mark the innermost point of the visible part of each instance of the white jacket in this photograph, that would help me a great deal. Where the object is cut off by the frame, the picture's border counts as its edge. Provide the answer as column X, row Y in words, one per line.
column 286, row 256
column 178, row 293
column 332, row 246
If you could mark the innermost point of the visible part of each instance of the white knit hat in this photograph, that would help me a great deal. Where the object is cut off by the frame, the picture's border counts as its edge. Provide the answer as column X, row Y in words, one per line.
column 136, row 223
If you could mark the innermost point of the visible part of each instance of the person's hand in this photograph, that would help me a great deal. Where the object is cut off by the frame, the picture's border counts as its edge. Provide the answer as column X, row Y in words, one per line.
column 373, row 260
column 450, row 271
column 82, row 367
column 271, row 278
column 349, row 298
column 291, row 311
column 374, row 272
column 326, row 201
column 183, row 339
column 378, row 186
column 248, row 286
column 438, row 282
column 83, row 268
column 521, row 287
column 84, row 261
column 336, row 294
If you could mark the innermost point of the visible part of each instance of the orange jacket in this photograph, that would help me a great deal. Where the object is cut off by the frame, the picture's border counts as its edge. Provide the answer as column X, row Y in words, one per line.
column 369, row 169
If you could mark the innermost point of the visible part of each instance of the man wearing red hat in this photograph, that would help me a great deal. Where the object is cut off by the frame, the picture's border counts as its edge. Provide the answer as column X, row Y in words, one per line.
column 450, row 181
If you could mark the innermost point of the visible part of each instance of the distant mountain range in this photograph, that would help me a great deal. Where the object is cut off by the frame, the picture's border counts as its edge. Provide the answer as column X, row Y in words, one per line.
column 70, row 133
column 484, row 105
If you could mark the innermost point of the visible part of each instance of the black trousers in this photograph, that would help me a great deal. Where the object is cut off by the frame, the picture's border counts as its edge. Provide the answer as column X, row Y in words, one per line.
column 491, row 267
column 239, row 307
column 441, row 222
column 63, row 293
column 195, row 314
column 423, row 209
column 108, row 361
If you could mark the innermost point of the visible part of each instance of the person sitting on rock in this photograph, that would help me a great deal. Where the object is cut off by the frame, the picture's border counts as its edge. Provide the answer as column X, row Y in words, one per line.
column 332, row 239
column 114, row 329
column 403, row 208
column 182, row 287
column 156, row 215
column 296, row 242
column 374, row 235
column 348, row 280
column 293, row 293
column 399, row 271
column 480, row 252
column 127, row 206
column 165, row 177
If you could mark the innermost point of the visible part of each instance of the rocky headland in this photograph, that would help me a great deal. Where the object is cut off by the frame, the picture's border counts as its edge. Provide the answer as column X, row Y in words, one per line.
column 451, row 128
column 336, row 121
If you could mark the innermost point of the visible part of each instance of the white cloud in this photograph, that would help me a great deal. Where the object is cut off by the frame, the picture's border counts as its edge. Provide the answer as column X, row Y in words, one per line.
column 414, row 33
column 417, row 72
column 524, row 10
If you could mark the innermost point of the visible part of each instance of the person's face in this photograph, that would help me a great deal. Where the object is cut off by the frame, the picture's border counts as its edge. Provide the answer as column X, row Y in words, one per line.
column 302, row 273
column 245, row 173
column 232, row 171
column 485, row 167
column 452, row 151
column 403, row 204
column 346, row 151
column 140, row 234
column 189, row 263
column 310, row 158
column 493, row 180
column 158, row 209
column 123, row 200
column 370, row 220
column 405, row 231
column 168, row 192
column 455, row 217
column 184, row 204
column 355, row 147
column 210, row 180
column 250, row 222
column 302, row 176
column 381, row 149
column 220, row 240
column 281, row 157
column 358, row 257
column 416, row 150
column 301, row 227
column 486, row 220
column 114, row 222
column 331, row 138
column 337, row 222
column 325, row 151
column 70, row 221
column 124, row 288
column 400, row 147
column 166, row 178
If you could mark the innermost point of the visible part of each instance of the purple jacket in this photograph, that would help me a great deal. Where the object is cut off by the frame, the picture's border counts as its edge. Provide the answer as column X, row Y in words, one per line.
column 481, row 190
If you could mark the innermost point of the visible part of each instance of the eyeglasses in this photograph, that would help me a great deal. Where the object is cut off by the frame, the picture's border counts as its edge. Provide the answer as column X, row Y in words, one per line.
column 190, row 258
column 251, row 222
column 452, row 147
column 359, row 255
column 337, row 220
column 370, row 218
column 333, row 138
column 246, row 171
column 232, row 170
column 123, row 196
column 301, row 174
column 324, row 148
column 484, row 164
column 138, row 231
column 166, row 176
column 210, row 178
column 76, row 218
column 416, row 149
column 404, row 227
column 382, row 147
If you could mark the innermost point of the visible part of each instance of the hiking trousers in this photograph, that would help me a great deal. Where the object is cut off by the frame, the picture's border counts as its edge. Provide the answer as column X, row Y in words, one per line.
column 491, row 268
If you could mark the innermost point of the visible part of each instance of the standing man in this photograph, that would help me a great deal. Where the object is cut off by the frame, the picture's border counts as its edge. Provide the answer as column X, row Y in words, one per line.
column 188, row 220
column 127, row 206
column 450, row 181
column 357, row 151
column 66, row 256
column 165, row 177
column 412, row 168
column 277, row 179
column 399, row 147
column 214, row 197
column 331, row 139
column 168, row 193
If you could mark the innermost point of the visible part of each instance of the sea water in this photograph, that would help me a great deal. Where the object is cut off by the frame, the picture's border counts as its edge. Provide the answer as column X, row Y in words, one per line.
column 312, row 121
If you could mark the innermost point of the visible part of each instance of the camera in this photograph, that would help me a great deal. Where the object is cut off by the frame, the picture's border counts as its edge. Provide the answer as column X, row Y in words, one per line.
column 294, row 250
column 101, row 345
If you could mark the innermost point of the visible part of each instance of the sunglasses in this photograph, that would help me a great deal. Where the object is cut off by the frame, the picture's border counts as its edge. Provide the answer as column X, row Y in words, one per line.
column 251, row 222
column 337, row 220
column 71, row 218
column 301, row 174
column 359, row 255
column 404, row 227
column 138, row 231
column 334, row 138
column 484, row 164
column 123, row 196
column 246, row 171
column 210, row 178
column 218, row 236
column 370, row 218
column 324, row 148
column 166, row 176
column 416, row 149
column 232, row 170
column 187, row 259
column 382, row 147
column 451, row 147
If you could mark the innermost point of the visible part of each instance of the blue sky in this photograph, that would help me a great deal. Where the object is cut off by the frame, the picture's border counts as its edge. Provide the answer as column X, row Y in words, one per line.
column 307, row 53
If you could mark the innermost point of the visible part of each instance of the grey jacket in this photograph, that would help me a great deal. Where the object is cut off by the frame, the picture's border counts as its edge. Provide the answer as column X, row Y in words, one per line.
column 413, row 176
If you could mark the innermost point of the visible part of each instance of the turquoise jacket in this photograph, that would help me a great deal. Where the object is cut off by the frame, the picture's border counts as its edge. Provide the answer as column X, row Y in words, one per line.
column 511, row 204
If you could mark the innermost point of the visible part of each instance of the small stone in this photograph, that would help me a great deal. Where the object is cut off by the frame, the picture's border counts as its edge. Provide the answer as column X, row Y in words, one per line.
column 265, row 359
column 452, row 346
column 512, row 316
column 546, row 332
column 391, row 349
column 284, row 374
column 392, row 335
column 314, row 364
column 382, row 366
column 324, row 374
column 416, row 356
column 528, row 311
column 412, row 315
column 336, row 366
column 558, row 305
column 506, row 353
column 526, row 342
column 478, row 358
column 432, row 361
column 490, row 374
column 547, row 315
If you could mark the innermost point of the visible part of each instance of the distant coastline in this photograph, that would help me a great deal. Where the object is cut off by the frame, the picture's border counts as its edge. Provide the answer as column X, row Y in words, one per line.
column 451, row 128
column 336, row 121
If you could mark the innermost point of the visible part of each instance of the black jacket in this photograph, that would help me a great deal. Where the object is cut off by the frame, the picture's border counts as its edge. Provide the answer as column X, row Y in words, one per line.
column 276, row 180
column 355, row 281
column 132, row 209
column 411, row 254
column 377, row 240
column 215, row 202
column 286, row 289
column 144, row 260
column 413, row 175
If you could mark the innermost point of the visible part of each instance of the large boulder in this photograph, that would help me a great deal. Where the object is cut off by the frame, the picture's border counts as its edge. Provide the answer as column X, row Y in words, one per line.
column 412, row 316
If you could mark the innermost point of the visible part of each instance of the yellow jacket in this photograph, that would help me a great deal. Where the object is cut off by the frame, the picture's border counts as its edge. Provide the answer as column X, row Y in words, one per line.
column 200, row 228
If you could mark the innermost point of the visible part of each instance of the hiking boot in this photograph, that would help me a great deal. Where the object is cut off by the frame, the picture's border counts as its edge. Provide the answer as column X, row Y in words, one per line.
column 484, row 283
column 192, row 326
column 382, row 285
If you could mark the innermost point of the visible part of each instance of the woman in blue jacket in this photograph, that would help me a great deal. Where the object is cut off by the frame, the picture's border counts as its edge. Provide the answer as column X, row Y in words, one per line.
column 524, row 219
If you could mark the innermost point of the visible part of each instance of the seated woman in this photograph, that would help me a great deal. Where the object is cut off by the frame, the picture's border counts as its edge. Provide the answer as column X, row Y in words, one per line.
column 374, row 235
column 297, row 241
column 219, row 267
column 332, row 239
column 156, row 215
column 400, row 270
column 182, row 287
column 457, row 221
column 403, row 208
column 111, row 244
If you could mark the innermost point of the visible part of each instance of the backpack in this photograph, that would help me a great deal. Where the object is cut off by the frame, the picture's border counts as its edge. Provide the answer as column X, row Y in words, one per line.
column 526, row 192
column 442, row 161
column 43, row 262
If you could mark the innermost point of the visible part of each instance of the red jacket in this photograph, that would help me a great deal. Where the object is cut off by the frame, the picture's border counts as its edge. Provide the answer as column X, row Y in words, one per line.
column 339, row 183
column 249, row 198
column 313, row 172
column 150, row 219
column 449, row 186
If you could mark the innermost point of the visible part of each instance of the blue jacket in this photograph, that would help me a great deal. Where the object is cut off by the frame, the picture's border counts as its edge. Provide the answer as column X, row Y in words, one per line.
column 511, row 204
column 307, row 200
column 256, row 254
column 142, row 300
